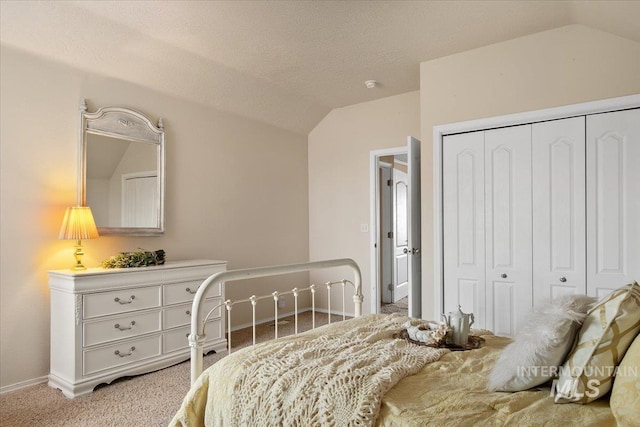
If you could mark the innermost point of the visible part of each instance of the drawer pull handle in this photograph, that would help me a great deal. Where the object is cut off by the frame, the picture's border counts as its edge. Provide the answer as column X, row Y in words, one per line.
column 188, row 312
column 190, row 291
column 563, row 279
column 131, row 350
column 118, row 300
column 117, row 326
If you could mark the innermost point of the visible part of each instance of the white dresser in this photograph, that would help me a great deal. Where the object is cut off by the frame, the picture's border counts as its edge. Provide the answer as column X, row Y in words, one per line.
column 110, row 323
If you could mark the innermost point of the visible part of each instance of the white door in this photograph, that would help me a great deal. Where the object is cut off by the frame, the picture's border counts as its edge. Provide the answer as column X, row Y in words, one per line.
column 508, row 227
column 386, row 233
column 400, row 235
column 559, row 211
column 139, row 200
column 415, row 230
column 613, row 200
column 463, row 224
column 487, row 225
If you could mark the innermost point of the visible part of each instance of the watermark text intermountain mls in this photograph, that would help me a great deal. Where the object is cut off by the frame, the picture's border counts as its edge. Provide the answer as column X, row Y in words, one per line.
column 589, row 371
column 570, row 388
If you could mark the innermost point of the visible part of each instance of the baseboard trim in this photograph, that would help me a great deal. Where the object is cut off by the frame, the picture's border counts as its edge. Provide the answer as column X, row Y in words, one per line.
column 265, row 320
column 334, row 312
column 23, row 384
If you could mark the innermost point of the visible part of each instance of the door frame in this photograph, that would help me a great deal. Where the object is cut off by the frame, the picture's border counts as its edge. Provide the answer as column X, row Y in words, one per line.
column 439, row 132
column 374, row 219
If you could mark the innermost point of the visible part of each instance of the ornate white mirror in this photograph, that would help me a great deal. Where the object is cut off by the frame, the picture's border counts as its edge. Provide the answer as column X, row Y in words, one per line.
column 121, row 171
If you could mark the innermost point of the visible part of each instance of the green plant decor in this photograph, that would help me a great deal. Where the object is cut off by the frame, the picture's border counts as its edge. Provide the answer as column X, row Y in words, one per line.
column 140, row 258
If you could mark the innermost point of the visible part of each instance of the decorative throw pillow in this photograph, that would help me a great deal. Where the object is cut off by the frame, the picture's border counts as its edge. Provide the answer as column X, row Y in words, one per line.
column 625, row 395
column 605, row 335
column 541, row 344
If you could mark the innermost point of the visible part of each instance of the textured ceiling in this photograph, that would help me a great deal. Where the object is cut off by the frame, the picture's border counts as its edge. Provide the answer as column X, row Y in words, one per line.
column 286, row 63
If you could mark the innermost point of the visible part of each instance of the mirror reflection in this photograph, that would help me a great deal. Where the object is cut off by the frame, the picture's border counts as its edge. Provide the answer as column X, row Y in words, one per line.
column 122, row 182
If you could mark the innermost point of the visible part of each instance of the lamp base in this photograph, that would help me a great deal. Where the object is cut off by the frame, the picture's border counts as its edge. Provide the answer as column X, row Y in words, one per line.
column 78, row 256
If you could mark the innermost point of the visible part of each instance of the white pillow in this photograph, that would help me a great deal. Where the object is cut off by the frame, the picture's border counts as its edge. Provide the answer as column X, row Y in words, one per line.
column 541, row 344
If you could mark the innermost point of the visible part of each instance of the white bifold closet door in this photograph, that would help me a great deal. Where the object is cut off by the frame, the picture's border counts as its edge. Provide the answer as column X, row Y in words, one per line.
column 558, row 168
column 508, row 227
column 487, row 225
column 463, row 224
column 613, row 200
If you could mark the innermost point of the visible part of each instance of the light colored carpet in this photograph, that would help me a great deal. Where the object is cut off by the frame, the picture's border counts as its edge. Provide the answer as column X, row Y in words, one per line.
column 144, row 400
column 402, row 307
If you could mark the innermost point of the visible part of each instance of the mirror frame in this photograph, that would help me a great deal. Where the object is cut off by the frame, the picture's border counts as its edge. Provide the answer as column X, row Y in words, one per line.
column 130, row 125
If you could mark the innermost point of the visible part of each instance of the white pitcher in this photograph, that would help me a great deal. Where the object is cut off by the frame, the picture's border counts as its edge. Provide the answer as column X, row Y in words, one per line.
column 460, row 324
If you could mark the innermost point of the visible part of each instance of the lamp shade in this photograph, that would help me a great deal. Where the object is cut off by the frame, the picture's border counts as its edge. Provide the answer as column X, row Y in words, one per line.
column 78, row 224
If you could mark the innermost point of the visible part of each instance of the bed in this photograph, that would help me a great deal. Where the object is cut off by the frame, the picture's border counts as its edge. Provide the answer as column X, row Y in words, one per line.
column 358, row 372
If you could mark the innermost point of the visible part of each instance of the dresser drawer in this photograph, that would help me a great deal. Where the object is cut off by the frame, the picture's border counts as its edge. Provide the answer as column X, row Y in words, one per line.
column 121, row 327
column 178, row 339
column 177, row 293
column 121, row 353
column 181, row 315
column 122, row 301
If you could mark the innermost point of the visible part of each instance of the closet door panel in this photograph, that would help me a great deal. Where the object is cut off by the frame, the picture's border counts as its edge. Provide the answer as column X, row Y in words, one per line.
column 559, row 225
column 613, row 200
column 463, row 233
column 508, row 227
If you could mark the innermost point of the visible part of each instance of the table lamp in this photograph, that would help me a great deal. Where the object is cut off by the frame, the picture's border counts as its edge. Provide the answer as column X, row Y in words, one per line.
column 78, row 224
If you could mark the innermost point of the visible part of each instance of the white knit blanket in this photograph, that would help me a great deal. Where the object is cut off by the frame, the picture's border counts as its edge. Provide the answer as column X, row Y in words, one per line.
column 327, row 381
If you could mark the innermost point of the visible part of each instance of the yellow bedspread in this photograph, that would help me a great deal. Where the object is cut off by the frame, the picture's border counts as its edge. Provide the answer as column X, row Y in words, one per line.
column 452, row 392
column 448, row 392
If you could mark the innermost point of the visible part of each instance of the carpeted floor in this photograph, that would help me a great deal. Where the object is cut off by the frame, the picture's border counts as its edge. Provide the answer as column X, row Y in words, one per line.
column 402, row 307
column 144, row 400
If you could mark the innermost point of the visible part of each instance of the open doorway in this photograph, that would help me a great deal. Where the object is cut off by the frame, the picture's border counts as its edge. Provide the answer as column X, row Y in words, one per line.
column 395, row 226
column 393, row 229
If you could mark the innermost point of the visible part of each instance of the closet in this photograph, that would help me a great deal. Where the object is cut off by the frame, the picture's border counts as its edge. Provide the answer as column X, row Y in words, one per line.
column 536, row 210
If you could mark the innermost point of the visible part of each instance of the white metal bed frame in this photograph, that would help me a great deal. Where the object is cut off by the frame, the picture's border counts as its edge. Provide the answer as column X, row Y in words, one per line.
column 198, row 323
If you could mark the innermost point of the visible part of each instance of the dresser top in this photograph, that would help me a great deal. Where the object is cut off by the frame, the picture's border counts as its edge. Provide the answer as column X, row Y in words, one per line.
column 98, row 271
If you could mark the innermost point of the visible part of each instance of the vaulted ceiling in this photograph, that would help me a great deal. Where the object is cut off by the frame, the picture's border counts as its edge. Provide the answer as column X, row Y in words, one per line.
column 287, row 63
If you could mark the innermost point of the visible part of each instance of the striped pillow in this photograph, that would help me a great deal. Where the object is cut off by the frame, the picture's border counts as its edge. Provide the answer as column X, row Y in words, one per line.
column 604, row 337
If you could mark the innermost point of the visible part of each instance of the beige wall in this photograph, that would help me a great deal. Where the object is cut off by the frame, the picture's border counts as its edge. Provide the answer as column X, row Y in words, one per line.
column 236, row 190
column 339, row 150
column 567, row 65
